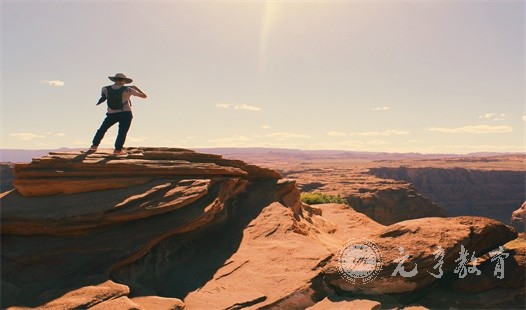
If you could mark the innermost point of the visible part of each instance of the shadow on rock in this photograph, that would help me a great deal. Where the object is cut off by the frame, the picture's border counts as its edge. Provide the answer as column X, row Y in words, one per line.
column 184, row 263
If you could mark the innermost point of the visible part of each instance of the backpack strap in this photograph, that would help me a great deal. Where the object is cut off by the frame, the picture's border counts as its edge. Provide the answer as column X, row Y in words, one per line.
column 125, row 89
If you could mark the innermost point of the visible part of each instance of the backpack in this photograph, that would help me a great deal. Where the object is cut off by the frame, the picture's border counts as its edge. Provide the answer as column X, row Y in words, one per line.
column 114, row 97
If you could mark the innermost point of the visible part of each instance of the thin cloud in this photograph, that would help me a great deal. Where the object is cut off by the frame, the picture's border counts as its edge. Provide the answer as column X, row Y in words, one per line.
column 476, row 129
column 238, row 106
column 223, row 105
column 246, row 107
column 389, row 132
column 524, row 118
column 230, row 140
column 493, row 116
column 56, row 83
column 52, row 133
column 377, row 142
column 384, row 108
column 287, row 135
column 265, row 127
column 26, row 136
column 336, row 134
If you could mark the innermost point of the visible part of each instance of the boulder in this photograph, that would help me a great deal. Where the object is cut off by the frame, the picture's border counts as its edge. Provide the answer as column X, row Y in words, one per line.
column 419, row 239
column 118, row 303
column 91, row 296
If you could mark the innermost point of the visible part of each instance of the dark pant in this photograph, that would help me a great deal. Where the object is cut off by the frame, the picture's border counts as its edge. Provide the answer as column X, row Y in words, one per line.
column 123, row 118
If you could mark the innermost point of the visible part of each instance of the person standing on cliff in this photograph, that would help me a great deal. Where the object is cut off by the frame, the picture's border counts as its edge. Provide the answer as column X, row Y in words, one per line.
column 119, row 110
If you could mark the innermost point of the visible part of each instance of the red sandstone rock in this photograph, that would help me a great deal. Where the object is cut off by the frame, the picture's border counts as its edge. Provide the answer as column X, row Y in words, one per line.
column 97, row 229
column 272, row 256
column 518, row 218
column 88, row 297
column 419, row 238
column 384, row 201
column 158, row 303
column 77, row 172
column 512, row 278
column 221, row 234
column 327, row 304
column 464, row 191
column 391, row 205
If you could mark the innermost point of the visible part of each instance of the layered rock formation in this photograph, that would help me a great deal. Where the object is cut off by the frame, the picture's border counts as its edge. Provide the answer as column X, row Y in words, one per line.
column 74, row 172
column 490, row 193
column 518, row 218
column 398, row 202
column 76, row 218
column 169, row 228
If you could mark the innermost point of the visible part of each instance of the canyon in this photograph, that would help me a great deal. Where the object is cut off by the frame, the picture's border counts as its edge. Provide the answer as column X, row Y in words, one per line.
column 491, row 185
column 462, row 191
column 169, row 228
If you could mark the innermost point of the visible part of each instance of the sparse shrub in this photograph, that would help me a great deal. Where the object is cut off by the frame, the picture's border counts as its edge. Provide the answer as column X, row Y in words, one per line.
column 319, row 198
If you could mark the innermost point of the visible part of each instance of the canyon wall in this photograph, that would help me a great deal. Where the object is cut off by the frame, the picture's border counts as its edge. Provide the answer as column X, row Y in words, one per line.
column 386, row 201
column 6, row 177
column 490, row 193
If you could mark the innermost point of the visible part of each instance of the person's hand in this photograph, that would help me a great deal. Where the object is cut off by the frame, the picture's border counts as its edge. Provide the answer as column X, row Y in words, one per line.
column 136, row 88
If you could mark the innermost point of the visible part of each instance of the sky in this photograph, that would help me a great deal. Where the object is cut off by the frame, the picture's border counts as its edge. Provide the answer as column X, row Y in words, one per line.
column 394, row 76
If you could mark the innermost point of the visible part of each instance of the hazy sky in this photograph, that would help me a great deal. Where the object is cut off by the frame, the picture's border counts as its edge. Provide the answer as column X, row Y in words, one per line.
column 413, row 76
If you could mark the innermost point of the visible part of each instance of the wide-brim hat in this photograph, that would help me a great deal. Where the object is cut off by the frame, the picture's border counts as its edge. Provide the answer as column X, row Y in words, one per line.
column 120, row 76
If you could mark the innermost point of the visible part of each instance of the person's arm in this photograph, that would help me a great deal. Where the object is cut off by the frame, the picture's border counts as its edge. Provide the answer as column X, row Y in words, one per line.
column 137, row 92
column 102, row 97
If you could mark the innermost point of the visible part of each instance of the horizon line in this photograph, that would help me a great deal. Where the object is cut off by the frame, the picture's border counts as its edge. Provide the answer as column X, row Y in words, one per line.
column 278, row 148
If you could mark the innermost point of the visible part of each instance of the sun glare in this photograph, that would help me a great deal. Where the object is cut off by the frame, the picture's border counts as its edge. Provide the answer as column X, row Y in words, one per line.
column 267, row 22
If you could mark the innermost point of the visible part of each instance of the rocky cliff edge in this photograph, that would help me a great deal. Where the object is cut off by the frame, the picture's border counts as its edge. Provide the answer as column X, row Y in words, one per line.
column 165, row 228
